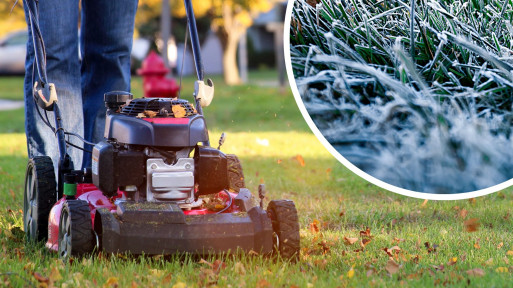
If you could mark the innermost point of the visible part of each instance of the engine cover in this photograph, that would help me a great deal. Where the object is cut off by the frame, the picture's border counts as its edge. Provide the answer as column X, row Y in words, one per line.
column 152, row 122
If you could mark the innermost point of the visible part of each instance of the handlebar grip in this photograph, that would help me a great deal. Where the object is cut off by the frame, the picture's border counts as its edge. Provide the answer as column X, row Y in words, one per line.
column 45, row 96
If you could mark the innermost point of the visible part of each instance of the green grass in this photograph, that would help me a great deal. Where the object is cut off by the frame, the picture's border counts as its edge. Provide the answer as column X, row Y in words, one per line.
column 326, row 194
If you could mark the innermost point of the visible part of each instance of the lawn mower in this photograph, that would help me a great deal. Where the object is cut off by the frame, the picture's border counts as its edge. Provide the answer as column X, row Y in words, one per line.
column 155, row 185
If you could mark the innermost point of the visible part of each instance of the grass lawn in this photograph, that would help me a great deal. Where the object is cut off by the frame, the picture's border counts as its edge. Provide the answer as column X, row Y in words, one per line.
column 427, row 243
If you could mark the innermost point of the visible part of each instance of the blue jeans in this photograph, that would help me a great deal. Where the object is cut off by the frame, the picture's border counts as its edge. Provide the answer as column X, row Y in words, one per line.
column 105, row 45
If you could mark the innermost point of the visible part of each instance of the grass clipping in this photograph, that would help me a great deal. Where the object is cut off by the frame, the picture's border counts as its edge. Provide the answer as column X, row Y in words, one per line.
column 418, row 94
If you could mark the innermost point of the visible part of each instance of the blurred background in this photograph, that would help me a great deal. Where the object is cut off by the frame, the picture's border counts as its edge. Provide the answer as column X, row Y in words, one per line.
column 236, row 37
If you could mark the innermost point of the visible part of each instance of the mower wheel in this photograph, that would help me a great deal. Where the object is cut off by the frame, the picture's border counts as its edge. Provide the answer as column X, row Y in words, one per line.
column 285, row 224
column 38, row 198
column 75, row 229
column 235, row 175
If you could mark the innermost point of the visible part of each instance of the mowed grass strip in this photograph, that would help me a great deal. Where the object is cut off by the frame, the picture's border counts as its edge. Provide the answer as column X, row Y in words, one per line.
column 434, row 245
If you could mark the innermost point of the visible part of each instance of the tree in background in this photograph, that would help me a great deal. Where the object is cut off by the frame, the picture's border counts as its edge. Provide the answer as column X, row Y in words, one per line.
column 11, row 21
column 230, row 21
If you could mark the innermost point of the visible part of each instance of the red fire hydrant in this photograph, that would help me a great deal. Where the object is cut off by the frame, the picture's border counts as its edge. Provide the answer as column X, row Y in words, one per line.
column 155, row 83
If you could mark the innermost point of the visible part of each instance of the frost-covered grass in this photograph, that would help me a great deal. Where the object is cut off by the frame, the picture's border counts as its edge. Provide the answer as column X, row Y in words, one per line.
column 432, row 117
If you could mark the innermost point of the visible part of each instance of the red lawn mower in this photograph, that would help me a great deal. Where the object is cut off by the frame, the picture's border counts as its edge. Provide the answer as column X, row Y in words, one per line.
column 156, row 186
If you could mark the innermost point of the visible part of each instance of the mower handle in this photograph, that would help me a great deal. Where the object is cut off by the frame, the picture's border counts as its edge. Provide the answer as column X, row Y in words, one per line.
column 45, row 96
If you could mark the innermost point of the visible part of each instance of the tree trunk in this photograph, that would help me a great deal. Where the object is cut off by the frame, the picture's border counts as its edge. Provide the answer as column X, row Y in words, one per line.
column 231, row 70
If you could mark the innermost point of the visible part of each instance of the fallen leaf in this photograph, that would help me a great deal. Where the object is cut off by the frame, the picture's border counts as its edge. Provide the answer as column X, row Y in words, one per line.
column 55, row 275
column 218, row 266
column 364, row 242
column 40, row 278
column 350, row 241
column 477, row 246
column 167, row 279
column 488, row 262
column 452, row 261
column 463, row 213
column 502, row 270
column 262, row 283
column 398, row 240
column 500, row 245
column 509, row 253
column 475, row 272
column 150, row 114
column 111, row 282
column 178, row 111
column 471, row 225
column 365, row 233
column 424, row 203
column 314, row 226
column 13, row 195
column 203, row 261
column 392, row 267
column 239, row 268
column 350, row 273
column 300, row 159
column 180, row 285
column 342, row 213
column 325, row 247
column 321, row 263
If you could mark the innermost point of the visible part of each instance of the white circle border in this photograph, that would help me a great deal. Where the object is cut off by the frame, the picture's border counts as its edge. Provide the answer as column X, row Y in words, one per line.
column 344, row 161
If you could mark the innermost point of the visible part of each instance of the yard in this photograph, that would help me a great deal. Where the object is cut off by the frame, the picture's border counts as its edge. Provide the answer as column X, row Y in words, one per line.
column 352, row 233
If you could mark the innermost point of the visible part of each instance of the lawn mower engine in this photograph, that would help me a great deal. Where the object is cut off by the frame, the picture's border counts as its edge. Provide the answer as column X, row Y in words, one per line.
column 147, row 152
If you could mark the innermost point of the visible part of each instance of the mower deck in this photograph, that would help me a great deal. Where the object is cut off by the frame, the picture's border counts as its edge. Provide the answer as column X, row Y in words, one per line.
column 164, row 228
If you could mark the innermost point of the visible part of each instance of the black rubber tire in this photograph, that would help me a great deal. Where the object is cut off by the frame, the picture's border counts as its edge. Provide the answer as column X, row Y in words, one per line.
column 285, row 224
column 76, row 236
column 235, row 174
column 39, row 195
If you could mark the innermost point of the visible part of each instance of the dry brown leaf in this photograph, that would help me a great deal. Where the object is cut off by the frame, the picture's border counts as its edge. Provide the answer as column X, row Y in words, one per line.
column 314, row 226
column 364, row 242
column 55, row 275
column 239, row 268
column 218, row 266
column 477, row 246
column 509, row 253
column 392, row 267
column 262, row 283
column 452, row 261
column 488, row 262
column 471, row 225
column 342, row 213
column 40, row 278
column 500, row 245
column 463, row 213
column 350, row 241
column 203, row 261
column 476, row 272
column 366, row 233
column 424, row 203
column 178, row 111
column 111, row 282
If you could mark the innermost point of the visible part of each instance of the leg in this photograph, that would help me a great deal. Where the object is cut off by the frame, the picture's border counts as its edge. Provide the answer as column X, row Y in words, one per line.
column 58, row 21
column 106, row 44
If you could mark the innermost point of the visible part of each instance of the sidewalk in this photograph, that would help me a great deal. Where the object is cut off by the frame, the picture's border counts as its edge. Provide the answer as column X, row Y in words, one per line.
column 10, row 104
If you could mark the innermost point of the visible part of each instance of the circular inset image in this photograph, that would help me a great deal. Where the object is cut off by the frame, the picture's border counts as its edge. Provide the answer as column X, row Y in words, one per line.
column 414, row 96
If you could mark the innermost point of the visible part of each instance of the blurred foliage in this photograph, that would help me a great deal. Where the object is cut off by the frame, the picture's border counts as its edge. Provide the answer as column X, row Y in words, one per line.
column 11, row 21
